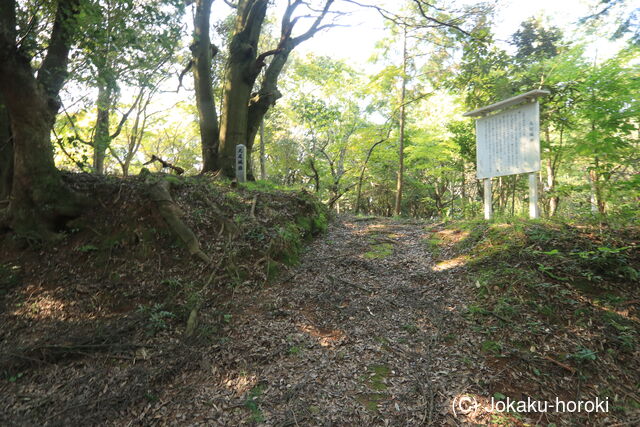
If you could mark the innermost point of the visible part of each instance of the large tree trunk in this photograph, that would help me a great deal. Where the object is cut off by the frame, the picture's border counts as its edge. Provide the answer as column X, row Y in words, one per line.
column 242, row 71
column 6, row 153
column 263, row 159
column 242, row 110
column 102, row 139
column 268, row 93
column 40, row 203
column 203, row 52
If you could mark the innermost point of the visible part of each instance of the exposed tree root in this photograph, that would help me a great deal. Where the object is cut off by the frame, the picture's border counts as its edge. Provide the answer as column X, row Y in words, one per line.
column 43, row 212
column 47, row 352
column 171, row 213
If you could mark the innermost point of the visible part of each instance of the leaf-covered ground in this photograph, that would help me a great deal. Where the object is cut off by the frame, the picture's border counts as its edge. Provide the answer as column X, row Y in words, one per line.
column 388, row 322
column 374, row 329
column 94, row 323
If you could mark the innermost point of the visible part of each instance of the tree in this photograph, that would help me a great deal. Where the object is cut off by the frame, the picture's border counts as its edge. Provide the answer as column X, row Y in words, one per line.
column 626, row 18
column 136, row 132
column 40, row 202
column 543, row 61
column 483, row 73
column 610, row 109
column 427, row 23
column 203, row 53
column 323, row 104
column 243, row 110
column 125, row 42
column 535, row 43
column 6, row 153
column 403, row 115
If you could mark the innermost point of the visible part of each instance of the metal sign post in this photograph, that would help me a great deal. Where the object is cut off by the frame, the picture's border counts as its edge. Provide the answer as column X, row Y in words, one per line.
column 508, row 143
column 241, row 163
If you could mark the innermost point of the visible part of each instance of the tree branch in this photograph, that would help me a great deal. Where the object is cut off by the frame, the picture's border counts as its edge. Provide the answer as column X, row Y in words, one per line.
column 7, row 30
column 126, row 116
column 315, row 27
column 231, row 4
column 59, row 140
column 396, row 19
column 183, row 73
column 449, row 24
column 73, row 126
column 30, row 26
column 260, row 60
column 255, row 13
column 53, row 71
column 287, row 23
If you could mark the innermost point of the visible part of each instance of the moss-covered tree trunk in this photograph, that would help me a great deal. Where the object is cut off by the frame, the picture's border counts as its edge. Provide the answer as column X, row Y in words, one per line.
column 268, row 93
column 244, row 111
column 266, row 97
column 242, row 71
column 203, row 52
column 40, row 202
column 6, row 153
column 102, row 139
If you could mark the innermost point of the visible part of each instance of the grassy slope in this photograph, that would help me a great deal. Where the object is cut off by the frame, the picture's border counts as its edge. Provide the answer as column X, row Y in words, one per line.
column 558, row 302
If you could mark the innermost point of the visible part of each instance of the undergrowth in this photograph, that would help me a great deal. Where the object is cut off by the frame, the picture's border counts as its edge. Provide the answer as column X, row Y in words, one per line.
column 553, row 298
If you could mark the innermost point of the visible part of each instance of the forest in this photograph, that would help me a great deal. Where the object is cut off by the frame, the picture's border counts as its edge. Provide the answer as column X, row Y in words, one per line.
column 142, row 282
column 130, row 81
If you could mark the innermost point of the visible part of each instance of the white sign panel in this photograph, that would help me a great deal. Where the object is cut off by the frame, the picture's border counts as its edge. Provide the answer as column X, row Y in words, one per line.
column 508, row 142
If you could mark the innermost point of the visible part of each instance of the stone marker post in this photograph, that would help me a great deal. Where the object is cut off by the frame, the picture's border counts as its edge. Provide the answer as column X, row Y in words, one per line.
column 241, row 163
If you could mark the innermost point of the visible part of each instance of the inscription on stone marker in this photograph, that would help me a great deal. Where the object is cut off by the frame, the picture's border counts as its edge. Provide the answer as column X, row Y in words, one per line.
column 508, row 142
column 241, row 163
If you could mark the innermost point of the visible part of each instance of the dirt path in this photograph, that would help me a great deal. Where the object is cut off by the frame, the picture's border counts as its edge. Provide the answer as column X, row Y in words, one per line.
column 363, row 331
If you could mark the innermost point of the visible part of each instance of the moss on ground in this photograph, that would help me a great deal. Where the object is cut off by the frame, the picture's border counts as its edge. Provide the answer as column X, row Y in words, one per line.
column 379, row 250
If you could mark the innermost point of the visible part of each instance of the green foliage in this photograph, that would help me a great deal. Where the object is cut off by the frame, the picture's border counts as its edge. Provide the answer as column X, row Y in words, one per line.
column 583, row 355
column 156, row 317
column 376, row 377
column 492, row 347
column 9, row 278
column 16, row 377
column 295, row 350
column 535, row 43
column 87, row 248
column 335, row 130
column 379, row 250
column 253, row 402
